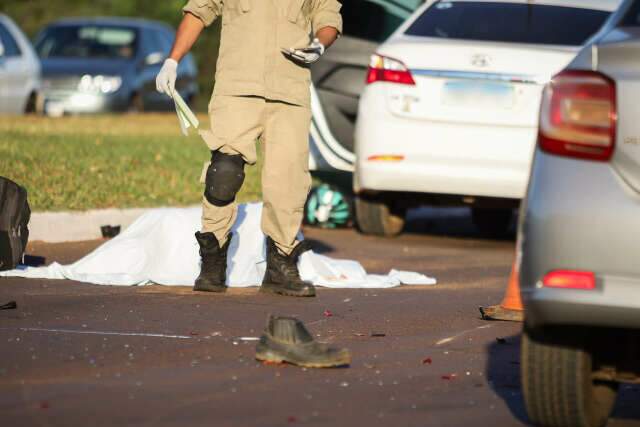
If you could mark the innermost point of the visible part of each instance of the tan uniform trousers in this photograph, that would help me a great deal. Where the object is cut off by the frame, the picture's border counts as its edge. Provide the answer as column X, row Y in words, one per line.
column 237, row 122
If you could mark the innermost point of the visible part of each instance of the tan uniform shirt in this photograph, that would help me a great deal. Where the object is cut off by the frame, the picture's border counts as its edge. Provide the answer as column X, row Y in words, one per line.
column 253, row 34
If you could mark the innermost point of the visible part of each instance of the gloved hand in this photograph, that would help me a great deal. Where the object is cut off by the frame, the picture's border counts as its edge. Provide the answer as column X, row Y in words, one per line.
column 166, row 80
column 309, row 54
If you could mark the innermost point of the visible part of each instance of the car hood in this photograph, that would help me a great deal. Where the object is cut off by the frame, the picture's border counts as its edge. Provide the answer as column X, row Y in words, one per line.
column 77, row 67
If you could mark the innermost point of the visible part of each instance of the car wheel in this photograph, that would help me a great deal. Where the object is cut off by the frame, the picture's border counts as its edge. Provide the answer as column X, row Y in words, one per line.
column 492, row 222
column 379, row 217
column 136, row 104
column 557, row 380
column 32, row 104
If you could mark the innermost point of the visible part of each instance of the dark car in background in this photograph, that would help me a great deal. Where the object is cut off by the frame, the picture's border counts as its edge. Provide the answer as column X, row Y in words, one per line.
column 93, row 65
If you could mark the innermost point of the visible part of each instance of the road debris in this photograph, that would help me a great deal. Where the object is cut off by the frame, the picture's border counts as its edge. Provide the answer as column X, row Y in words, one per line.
column 378, row 334
column 449, row 377
column 497, row 312
column 427, row 361
column 11, row 305
column 327, row 313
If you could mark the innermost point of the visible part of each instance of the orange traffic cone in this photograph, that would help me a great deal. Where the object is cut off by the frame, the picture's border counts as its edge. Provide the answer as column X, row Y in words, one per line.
column 510, row 308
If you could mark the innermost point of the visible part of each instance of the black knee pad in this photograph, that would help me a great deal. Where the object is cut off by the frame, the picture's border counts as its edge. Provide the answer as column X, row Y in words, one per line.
column 224, row 178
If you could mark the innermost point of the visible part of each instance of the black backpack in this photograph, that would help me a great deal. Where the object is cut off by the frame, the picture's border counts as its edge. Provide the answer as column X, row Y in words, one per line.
column 14, row 218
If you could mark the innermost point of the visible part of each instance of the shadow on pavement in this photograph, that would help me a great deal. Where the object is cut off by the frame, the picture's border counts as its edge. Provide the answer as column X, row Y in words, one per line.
column 503, row 374
column 319, row 246
column 449, row 222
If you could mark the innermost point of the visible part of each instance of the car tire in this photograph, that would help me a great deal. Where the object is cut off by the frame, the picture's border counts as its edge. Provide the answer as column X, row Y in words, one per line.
column 136, row 104
column 492, row 222
column 557, row 380
column 32, row 104
column 378, row 216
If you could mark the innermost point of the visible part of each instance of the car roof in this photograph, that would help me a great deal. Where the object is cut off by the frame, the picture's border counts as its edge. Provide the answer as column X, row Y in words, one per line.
column 606, row 5
column 112, row 21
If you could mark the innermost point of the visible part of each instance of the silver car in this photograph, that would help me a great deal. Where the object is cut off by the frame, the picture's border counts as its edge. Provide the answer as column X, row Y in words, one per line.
column 579, row 240
column 19, row 71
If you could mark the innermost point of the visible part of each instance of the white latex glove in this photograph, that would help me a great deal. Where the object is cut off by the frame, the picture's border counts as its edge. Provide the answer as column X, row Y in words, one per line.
column 166, row 80
column 309, row 54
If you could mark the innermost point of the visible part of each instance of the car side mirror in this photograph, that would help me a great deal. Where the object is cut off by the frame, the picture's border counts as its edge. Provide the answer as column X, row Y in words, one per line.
column 154, row 58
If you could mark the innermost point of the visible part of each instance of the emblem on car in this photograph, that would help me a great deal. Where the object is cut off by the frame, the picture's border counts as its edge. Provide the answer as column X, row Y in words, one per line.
column 480, row 60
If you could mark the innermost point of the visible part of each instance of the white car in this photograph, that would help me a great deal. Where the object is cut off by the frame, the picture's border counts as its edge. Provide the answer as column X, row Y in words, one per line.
column 20, row 78
column 450, row 112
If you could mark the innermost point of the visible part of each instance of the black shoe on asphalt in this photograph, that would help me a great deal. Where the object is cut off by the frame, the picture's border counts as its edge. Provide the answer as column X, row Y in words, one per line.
column 287, row 340
column 282, row 276
column 213, row 272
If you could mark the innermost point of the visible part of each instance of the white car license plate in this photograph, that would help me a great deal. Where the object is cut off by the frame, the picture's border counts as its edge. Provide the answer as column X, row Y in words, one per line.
column 475, row 94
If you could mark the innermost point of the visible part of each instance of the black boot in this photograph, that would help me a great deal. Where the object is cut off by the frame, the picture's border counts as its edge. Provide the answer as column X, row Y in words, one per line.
column 287, row 340
column 282, row 275
column 213, row 272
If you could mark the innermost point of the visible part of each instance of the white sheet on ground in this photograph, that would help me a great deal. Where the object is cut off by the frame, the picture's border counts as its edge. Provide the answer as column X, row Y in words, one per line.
column 159, row 247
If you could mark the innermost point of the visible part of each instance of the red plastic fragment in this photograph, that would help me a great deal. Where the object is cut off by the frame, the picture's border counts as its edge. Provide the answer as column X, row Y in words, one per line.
column 448, row 377
column 427, row 361
column 328, row 313
column 193, row 333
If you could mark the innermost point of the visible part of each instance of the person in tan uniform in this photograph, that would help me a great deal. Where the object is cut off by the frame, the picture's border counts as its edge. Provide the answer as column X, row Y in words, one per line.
column 262, row 91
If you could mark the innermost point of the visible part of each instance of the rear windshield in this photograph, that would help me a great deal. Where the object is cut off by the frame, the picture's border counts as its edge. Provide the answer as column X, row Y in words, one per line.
column 375, row 20
column 88, row 42
column 632, row 18
column 509, row 22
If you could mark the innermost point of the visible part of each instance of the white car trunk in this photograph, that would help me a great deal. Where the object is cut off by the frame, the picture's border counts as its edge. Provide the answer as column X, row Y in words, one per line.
column 474, row 83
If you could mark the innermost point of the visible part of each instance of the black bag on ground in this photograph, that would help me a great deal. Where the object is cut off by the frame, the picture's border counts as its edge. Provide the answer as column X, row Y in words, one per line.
column 14, row 219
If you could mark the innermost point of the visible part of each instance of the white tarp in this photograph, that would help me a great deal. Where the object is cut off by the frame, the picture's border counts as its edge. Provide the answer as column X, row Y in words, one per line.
column 160, row 248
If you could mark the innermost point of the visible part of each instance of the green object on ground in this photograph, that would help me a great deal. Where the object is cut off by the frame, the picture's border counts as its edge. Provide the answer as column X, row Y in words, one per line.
column 327, row 207
column 107, row 161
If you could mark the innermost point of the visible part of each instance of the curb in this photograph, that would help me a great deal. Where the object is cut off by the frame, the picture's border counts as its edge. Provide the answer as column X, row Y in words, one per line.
column 58, row 227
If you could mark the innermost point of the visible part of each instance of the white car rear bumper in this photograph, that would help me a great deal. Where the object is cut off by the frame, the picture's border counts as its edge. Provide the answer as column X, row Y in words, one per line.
column 440, row 157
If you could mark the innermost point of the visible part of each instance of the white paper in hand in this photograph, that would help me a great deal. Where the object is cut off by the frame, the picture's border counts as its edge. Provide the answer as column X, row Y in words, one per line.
column 186, row 118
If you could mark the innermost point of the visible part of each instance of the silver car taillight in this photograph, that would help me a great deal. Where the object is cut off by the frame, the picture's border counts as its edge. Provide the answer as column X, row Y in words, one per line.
column 578, row 116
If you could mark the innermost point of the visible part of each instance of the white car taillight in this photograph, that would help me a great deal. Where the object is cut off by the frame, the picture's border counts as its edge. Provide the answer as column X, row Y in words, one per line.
column 383, row 69
column 578, row 116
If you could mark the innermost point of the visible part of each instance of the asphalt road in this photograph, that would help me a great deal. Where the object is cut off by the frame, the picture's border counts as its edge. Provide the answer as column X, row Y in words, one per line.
column 75, row 355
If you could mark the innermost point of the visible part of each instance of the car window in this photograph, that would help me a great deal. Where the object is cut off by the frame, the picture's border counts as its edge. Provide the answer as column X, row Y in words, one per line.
column 89, row 41
column 375, row 20
column 165, row 41
column 632, row 18
column 509, row 22
column 8, row 45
